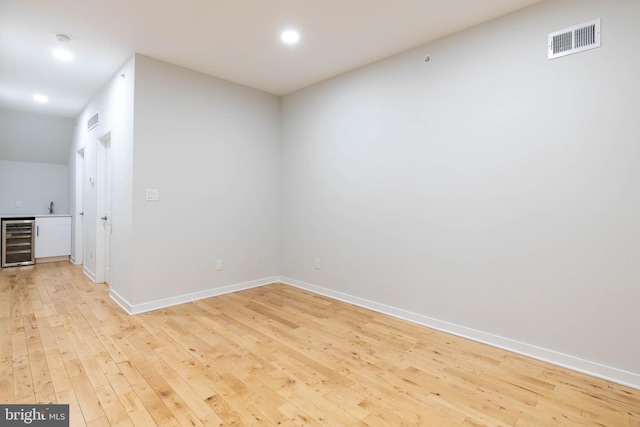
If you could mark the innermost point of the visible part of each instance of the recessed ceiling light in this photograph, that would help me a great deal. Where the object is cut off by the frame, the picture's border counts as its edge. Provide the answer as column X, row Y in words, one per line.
column 62, row 54
column 40, row 98
column 290, row 37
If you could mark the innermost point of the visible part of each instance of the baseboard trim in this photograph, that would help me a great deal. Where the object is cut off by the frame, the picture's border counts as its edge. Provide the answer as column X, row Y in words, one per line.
column 181, row 299
column 122, row 302
column 619, row 376
column 52, row 259
column 90, row 274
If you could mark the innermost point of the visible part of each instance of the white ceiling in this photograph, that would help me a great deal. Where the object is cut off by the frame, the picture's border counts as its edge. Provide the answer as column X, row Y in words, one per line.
column 237, row 40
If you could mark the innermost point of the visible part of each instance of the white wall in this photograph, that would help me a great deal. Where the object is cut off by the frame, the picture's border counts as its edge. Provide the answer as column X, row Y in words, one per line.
column 212, row 150
column 35, row 185
column 114, row 103
column 489, row 188
column 34, row 138
column 33, row 166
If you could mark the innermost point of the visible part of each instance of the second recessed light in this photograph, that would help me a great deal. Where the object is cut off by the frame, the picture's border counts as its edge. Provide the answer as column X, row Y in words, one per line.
column 290, row 37
column 62, row 54
column 40, row 98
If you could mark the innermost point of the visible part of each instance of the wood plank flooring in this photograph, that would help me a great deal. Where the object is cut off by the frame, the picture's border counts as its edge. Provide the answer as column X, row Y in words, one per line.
column 273, row 355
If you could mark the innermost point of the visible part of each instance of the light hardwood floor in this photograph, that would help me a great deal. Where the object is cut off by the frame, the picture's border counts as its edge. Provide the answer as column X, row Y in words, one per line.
column 273, row 355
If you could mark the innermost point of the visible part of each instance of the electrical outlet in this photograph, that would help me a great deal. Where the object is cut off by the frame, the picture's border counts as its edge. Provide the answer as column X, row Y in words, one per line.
column 316, row 263
column 219, row 265
column 18, row 204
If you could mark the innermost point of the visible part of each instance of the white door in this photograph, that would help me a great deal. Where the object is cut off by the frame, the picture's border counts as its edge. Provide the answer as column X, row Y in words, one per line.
column 78, row 224
column 107, row 210
column 104, row 224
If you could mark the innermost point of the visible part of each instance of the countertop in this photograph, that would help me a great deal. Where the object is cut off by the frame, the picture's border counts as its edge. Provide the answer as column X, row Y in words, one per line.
column 34, row 215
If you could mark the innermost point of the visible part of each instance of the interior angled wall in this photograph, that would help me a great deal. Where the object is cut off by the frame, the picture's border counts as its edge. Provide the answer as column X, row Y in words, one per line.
column 212, row 150
column 490, row 192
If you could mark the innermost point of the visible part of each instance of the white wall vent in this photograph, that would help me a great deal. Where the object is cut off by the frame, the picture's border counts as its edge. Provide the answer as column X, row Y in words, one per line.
column 92, row 122
column 575, row 39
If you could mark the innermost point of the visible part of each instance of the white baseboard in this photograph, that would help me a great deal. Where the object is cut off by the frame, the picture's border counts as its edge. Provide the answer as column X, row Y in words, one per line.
column 90, row 274
column 181, row 299
column 626, row 378
column 52, row 259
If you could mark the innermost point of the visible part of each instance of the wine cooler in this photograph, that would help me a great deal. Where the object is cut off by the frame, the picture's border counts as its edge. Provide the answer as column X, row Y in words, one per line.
column 17, row 242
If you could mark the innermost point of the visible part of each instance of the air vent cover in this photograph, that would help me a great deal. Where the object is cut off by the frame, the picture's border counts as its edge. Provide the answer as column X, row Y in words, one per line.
column 92, row 122
column 575, row 39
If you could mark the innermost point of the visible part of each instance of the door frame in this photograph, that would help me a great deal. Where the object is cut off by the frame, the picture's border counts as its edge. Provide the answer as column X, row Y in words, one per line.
column 104, row 174
column 78, row 224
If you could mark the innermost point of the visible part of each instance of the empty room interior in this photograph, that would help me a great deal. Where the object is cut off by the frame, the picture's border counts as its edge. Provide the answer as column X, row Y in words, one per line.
column 403, row 213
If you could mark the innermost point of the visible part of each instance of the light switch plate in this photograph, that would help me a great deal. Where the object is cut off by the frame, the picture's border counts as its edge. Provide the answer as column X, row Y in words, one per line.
column 152, row 194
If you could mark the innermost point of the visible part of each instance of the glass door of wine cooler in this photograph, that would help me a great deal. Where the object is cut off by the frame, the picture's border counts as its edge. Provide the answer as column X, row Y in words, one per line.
column 17, row 242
